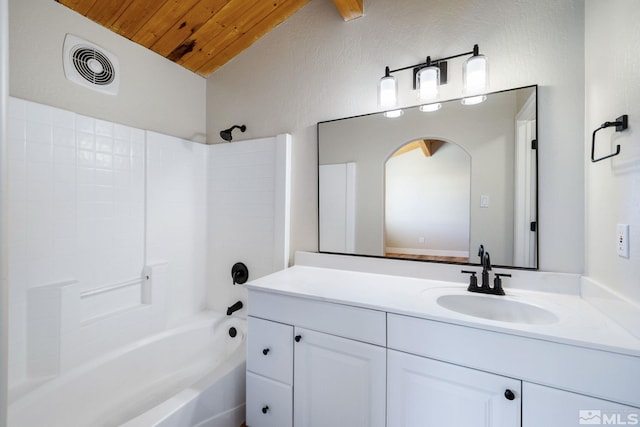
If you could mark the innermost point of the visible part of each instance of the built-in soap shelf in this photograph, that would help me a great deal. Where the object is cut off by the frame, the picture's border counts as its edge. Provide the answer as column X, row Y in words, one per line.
column 68, row 326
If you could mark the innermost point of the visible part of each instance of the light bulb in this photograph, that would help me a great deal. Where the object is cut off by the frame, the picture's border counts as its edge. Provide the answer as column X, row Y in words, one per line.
column 388, row 92
column 475, row 74
column 428, row 83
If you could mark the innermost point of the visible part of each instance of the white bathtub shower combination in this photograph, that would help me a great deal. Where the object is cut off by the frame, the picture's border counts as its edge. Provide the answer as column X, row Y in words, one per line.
column 191, row 375
column 121, row 241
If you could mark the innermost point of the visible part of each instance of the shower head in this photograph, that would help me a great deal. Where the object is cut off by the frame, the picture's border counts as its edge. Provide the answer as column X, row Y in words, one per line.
column 226, row 134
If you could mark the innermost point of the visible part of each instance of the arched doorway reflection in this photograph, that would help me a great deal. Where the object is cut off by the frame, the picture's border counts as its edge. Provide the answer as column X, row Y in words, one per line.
column 427, row 201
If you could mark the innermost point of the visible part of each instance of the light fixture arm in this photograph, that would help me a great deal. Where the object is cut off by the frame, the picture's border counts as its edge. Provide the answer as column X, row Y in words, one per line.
column 440, row 63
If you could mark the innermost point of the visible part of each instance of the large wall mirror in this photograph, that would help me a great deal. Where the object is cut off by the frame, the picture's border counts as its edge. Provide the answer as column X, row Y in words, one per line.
column 433, row 186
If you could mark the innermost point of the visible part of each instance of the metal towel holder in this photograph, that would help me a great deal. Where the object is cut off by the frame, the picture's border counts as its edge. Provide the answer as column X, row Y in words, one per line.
column 621, row 124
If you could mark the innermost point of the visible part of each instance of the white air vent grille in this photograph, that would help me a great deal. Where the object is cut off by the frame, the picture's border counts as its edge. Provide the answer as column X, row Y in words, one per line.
column 91, row 66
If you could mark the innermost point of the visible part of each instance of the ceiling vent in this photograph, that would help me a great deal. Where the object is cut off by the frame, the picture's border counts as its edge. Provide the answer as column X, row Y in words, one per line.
column 90, row 66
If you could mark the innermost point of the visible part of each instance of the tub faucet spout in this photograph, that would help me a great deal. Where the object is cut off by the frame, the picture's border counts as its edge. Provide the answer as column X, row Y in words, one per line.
column 235, row 307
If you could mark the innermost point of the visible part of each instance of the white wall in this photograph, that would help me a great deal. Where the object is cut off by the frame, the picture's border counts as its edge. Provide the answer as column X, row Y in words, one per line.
column 154, row 94
column 414, row 185
column 613, row 186
column 316, row 67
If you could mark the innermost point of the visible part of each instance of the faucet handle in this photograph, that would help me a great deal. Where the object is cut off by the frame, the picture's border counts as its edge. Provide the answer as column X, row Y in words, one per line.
column 473, row 279
column 497, row 283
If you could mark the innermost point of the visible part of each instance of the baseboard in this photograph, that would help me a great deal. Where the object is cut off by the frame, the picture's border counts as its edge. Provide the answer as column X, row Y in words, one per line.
column 427, row 252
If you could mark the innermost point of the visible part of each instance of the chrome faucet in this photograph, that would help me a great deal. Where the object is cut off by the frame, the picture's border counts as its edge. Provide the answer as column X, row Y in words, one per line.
column 484, row 288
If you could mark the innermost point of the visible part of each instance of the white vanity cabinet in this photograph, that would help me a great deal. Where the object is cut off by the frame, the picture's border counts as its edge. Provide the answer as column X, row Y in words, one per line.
column 549, row 407
column 314, row 364
column 426, row 392
column 322, row 353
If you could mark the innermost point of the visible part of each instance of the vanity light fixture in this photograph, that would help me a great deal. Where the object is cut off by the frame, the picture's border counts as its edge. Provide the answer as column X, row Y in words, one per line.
column 388, row 91
column 428, row 82
column 475, row 77
column 429, row 75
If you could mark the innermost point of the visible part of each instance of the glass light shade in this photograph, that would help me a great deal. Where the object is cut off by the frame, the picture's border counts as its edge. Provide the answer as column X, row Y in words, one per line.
column 393, row 114
column 388, row 92
column 473, row 100
column 475, row 74
column 428, row 83
column 428, row 108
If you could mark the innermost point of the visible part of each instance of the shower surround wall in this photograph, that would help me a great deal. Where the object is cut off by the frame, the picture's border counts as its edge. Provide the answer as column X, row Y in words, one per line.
column 76, row 212
column 248, row 193
column 109, row 227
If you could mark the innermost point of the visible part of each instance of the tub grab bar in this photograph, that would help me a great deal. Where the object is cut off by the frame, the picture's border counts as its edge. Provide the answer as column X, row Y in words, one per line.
column 109, row 288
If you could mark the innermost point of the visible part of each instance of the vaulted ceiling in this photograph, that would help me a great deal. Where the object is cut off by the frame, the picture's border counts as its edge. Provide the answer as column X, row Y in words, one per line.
column 200, row 35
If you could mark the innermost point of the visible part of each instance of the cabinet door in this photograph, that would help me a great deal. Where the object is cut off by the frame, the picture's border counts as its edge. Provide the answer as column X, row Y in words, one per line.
column 337, row 382
column 426, row 393
column 549, row 407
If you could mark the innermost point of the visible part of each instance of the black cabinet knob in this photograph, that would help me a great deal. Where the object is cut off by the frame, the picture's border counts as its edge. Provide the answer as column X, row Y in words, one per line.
column 509, row 394
column 298, row 338
column 265, row 351
column 265, row 409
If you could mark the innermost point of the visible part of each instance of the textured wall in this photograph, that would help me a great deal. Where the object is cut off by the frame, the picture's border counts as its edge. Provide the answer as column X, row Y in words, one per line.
column 613, row 186
column 316, row 67
column 155, row 94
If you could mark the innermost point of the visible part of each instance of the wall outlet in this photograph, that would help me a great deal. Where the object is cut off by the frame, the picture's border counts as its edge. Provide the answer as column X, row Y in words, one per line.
column 484, row 201
column 622, row 240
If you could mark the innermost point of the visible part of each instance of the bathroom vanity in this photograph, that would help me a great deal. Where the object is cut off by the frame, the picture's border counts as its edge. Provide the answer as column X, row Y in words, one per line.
column 330, row 347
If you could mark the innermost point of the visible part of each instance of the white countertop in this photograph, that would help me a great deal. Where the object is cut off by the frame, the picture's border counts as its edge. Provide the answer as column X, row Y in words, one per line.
column 579, row 323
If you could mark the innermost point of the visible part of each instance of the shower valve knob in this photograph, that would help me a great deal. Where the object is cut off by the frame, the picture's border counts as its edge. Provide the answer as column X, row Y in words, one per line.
column 265, row 351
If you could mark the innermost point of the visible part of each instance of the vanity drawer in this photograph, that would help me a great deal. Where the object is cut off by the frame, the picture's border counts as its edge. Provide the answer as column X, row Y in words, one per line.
column 270, row 349
column 347, row 321
column 269, row 403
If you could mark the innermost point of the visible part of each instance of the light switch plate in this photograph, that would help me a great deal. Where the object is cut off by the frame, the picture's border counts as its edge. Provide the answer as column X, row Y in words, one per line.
column 484, row 201
column 622, row 240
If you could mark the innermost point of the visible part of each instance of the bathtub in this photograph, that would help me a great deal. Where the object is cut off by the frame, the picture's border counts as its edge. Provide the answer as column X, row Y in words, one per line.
column 190, row 376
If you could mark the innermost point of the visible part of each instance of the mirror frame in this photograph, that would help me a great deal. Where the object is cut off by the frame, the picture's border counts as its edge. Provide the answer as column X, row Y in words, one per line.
column 536, row 179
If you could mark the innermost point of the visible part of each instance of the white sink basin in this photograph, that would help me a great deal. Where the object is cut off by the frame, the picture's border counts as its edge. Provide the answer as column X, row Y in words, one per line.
column 497, row 308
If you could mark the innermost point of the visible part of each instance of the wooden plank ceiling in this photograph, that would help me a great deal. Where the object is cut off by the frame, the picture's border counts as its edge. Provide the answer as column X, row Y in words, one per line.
column 200, row 35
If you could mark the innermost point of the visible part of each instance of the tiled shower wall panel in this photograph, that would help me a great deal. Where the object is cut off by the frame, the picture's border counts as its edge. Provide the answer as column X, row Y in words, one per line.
column 176, row 219
column 244, row 204
column 76, row 206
